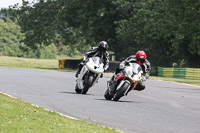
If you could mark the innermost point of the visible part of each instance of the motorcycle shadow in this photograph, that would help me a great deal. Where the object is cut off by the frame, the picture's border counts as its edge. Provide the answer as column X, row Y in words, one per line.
column 120, row 101
column 70, row 92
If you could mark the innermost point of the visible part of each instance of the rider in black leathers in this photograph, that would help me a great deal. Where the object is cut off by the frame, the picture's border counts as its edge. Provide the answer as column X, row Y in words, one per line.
column 100, row 51
column 139, row 58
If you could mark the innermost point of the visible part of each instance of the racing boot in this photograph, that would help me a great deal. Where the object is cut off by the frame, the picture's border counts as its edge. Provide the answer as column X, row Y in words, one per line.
column 79, row 69
column 111, row 79
column 77, row 73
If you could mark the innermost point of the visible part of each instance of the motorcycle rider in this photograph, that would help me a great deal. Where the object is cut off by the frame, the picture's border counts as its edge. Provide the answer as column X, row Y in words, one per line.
column 139, row 58
column 100, row 51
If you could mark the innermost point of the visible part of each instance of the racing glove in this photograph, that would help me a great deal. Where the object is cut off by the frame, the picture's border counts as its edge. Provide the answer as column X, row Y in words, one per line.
column 143, row 78
column 84, row 59
column 122, row 65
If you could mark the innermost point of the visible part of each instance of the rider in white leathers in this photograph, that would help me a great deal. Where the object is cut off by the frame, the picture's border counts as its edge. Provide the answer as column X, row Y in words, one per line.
column 100, row 51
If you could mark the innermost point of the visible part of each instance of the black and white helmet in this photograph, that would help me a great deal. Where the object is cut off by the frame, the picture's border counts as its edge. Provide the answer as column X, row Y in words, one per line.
column 103, row 46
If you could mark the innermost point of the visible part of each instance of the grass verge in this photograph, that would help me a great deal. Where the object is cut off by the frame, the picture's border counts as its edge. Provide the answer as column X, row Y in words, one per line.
column 49, row 64
column 187, row 81
column 18, row 116
column 28, row 62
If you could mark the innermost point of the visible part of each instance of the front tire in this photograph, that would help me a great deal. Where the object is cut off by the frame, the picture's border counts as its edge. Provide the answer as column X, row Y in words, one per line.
column 121, row 91
column 88, row 83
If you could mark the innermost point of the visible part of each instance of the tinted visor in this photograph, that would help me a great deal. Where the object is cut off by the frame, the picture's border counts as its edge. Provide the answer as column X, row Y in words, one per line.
column 103, row 48
column 141, row 60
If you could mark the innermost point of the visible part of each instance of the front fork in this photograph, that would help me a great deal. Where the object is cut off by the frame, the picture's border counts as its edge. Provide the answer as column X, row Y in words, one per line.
column 96, row 76
column 122, row 83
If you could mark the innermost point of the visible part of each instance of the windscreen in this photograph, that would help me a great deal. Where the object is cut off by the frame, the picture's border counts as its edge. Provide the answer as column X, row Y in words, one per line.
column 136, row 68
column 96, row 60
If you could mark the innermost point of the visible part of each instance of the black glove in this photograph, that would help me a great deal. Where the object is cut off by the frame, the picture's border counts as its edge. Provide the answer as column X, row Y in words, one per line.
column 126, row 63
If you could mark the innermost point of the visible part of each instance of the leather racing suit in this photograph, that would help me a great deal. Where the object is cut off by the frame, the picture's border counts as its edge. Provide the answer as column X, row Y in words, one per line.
column 95, row 51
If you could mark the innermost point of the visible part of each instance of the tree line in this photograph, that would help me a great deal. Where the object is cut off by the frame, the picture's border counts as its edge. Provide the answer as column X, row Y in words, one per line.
column 167, row 30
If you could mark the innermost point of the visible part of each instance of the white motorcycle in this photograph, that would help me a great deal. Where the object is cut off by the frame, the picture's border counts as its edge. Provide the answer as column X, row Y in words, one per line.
column 89, row 75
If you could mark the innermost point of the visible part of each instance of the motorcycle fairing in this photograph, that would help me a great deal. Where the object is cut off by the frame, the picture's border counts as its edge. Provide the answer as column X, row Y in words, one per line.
column 123, row 79
column 95, row 66
column 100, row 68
column 83, row 71
column 119, row 76
column 134, row 85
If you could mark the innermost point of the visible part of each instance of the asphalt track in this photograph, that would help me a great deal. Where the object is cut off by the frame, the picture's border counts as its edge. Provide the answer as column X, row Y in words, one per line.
column 163, row 107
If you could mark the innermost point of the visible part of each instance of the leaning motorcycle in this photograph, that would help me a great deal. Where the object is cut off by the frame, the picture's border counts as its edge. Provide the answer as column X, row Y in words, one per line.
column 123, row 82
column 89, row 75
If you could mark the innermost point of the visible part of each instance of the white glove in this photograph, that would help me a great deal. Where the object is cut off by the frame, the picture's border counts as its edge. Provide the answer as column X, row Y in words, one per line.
column 121, row 65
column 143, row 79
column 105, row 68
column 84, row 59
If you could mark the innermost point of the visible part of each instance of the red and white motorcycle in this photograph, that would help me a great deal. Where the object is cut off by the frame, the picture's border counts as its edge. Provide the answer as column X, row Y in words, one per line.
column 124, row 82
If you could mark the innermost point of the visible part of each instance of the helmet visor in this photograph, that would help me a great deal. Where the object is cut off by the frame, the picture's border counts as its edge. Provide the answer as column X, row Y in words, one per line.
column 103, row 48
column 141, row 60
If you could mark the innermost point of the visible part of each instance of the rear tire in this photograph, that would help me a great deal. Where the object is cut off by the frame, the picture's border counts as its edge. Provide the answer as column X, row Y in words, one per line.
column 77, row 89
column 107, row 95
column 120, row 92
column 88, row 83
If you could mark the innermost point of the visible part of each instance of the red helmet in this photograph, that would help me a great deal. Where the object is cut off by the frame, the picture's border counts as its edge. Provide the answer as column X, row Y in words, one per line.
column 140, row 57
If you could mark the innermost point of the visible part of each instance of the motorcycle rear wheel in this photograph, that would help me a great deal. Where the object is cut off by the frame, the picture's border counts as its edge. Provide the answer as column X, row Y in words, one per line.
column 120, row 92
column 77, row 89
column 107, row 95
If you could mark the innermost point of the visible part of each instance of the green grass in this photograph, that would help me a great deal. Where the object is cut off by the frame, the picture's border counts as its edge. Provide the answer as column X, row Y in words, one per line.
column 28, row 62
column 17, row 116
column 49, row 64
column 187, row 81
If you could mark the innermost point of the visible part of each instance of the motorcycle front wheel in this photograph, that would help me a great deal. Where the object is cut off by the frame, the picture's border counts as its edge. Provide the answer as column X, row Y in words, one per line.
column 121, row 91
column 87, row 84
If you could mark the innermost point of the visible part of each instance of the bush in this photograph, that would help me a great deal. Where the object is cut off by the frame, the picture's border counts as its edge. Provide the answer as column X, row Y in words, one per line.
column 48, row 52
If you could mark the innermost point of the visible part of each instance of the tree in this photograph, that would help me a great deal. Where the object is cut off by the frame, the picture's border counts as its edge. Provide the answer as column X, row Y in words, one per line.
column 167, row 30
column 162, row 28
column 10, row 38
